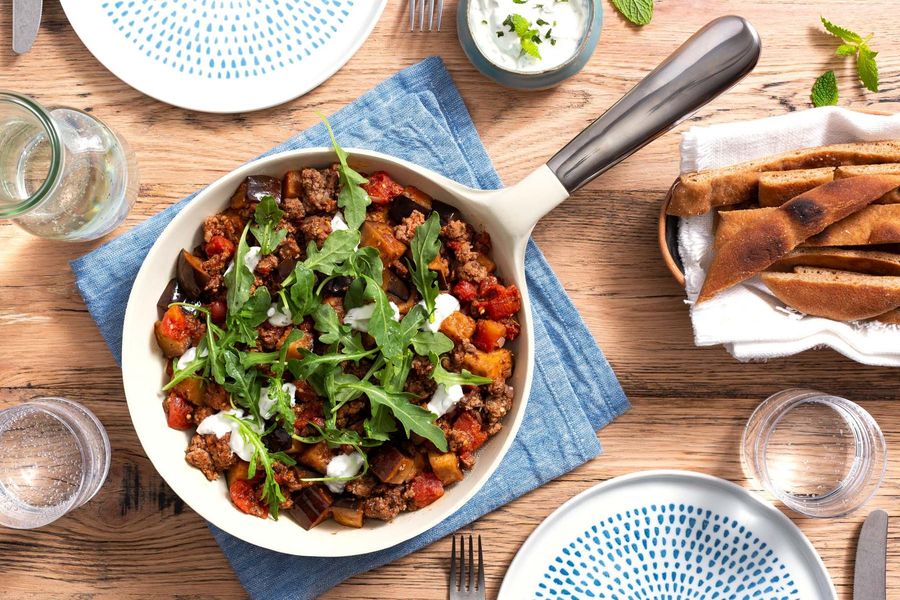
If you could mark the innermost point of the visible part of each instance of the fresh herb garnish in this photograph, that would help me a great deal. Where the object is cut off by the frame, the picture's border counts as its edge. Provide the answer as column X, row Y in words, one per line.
column 426, row 343
column 337, row 249
column 267, row 215
column 352, row 198
column 855, row 44
column 252, row 433
column 639, row 12
column 825, row 90
column 445, row 378
column 412, row 417
column 240, row 277
column 425, row 247
column 522, row 27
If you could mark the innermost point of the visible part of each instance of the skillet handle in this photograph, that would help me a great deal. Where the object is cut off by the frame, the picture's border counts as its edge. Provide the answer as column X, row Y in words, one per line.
column 710, row 62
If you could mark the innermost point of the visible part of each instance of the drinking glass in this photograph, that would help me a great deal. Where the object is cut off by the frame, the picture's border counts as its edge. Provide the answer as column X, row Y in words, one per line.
column 63, row 173
column 821, row 455
column 54, row 456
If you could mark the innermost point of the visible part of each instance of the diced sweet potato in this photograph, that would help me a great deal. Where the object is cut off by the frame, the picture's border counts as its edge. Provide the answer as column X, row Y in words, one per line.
column 290, row 185
column 445, row 467
column 425, row 489
column 473, row 434
column 305, row 342
column 458, row 327
column 496, row 364
column 348, row 512
column 316, row 456
column 392, row 466
column 176, row 331
column 489, row 335
column 237, row 471
column 486, row 262
column 312, row 505
column 192, row 389
column 417, row 196
column 442, row 267
column 381, row 237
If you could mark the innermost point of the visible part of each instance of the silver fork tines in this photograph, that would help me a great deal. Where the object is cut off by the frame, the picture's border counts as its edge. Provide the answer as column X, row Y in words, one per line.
column 417, row 11
column 462, row 588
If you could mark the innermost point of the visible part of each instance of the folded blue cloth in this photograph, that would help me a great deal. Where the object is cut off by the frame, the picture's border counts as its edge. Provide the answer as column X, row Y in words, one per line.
column 418, row 115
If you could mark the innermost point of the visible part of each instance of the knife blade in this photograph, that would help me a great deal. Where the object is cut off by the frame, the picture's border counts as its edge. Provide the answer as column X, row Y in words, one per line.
column 870, row 571
column 26, row 19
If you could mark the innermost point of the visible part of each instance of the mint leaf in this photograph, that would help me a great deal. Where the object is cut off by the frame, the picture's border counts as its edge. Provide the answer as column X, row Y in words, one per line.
column 639, row 12
column 522, row 28
column 867, row 69
column 266, row 232
column 837, row 31
column 352, row 198
column 824, row 90
column 412, row 417
column 425, row 247
column 845, row 50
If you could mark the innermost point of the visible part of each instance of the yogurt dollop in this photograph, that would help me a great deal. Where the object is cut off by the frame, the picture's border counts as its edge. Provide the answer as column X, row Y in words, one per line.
column 560, row 27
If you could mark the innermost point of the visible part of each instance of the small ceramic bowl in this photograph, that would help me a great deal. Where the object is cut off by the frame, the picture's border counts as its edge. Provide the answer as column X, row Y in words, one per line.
column 538, row 80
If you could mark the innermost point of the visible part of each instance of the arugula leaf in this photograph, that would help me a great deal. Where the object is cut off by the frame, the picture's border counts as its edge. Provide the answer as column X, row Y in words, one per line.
column 446, row 378
column 867, row 69
column 333, row 436
column 854, row 44
column 356, row 294
column 352, row 198
column 425, row 247
column 339, row 247
column 522, row 28
column 412, row 418
column 841, row 32
column 267, row 215
column 242, row 383
column 239, row 279
column 253, row 312
column 382, row 326
column 380, row 425
column 825, row 90
column 639, row 12
column 271, row 492
column 431, row 342
column 366, row 262
column 333, row 331
column 300, row 296
column 310, row 362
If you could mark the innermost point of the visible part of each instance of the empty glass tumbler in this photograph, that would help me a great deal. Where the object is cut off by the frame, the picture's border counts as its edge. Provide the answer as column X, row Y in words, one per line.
column 54, row 456
column 64, row 174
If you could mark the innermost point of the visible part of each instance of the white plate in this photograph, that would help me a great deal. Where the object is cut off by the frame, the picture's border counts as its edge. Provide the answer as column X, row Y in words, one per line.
column 223, row 56
column 659, row 535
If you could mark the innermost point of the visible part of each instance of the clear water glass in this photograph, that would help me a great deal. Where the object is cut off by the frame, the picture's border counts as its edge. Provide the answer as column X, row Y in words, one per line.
column 54, row 456
column 820, row 455
column 63, row 173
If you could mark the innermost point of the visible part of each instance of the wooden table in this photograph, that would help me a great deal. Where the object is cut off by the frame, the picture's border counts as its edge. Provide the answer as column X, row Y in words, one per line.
column 136, row 538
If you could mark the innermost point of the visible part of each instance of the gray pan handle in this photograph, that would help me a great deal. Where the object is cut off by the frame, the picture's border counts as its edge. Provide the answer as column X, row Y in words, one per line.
column 710, row 62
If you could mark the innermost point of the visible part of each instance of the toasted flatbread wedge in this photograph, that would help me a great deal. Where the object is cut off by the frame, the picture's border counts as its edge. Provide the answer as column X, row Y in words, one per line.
column 697, row 193
column 777, row 187
column 876, row 224
column 857, row 261
column 784, row 228
column 885, row 169
column 837, row 295
column 890, row 318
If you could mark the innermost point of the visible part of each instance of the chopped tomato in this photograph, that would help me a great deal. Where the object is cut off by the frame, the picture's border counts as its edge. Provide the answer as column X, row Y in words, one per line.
column 218, row 244
column 498, row 302
column 176, row 324
column 512, row 328
column 218, row 310
column 178, row 411
column 246, row 498
column 489, row 335
column 465, row 291
column 381, row 188
column 309, row 412
column 426, row 488
column 474, row 436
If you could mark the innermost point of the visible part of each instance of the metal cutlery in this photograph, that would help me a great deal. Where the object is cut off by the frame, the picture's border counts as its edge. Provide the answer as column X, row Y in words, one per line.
column 418, row 8
column 870, row 571
column 26, row 19
column 463, row 587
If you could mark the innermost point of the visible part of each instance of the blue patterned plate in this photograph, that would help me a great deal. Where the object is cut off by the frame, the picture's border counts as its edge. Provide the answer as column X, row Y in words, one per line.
column 667, row 535
column 223, row 56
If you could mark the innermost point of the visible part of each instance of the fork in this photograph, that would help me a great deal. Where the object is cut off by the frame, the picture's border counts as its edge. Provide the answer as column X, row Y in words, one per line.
column 461, row 589
column 418, row 6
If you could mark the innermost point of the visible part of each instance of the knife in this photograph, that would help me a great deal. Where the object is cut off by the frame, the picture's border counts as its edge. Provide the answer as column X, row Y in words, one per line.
column 869, row 576
column 26, row 18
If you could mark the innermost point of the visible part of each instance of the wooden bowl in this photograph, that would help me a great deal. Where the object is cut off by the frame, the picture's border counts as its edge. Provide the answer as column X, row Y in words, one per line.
column 668, row 238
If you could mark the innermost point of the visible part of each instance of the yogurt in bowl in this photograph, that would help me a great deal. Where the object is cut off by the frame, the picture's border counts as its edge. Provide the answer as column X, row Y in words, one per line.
column 529, row 44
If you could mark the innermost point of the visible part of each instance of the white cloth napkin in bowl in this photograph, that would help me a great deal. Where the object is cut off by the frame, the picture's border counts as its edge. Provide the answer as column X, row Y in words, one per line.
column 747, row 319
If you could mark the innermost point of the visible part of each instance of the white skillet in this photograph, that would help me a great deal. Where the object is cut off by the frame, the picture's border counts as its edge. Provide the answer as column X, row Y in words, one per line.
column 706, row 65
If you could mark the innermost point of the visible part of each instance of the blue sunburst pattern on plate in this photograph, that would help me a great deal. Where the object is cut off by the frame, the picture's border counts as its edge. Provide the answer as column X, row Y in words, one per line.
column 668, row 552
column 228, row 39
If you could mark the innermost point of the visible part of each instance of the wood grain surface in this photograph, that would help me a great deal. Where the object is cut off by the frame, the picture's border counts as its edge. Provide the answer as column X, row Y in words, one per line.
column 136, row 539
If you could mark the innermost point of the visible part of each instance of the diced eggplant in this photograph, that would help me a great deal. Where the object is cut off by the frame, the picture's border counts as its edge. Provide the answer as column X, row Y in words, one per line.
column 316, row 456
column 445, row 211
column 191, row 276
column 381, row 237
column 279, row 440
column 403, row 206
column 392, row 466
column 312, row 505
column 337, row 286
column 286, row 267
column 239, row 197
column 237, row 471
column 348, row 512
column 445, row 467
column 392, row 284
column 192, row 389
column 170, row 294
column 260, row 186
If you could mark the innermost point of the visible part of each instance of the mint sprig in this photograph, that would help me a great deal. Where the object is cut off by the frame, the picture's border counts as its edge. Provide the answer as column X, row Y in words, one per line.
column 825, row 90
column 853, row 43
column 639, row 12
column 529, row 38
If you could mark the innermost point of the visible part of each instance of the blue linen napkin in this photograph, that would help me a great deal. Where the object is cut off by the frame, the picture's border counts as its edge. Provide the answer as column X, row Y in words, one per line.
column 418, row 115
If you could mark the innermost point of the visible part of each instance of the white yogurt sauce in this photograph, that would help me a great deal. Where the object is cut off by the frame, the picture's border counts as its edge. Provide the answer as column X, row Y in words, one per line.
column 358, row 318
column 278, row 318
column 251, row 259
column 188, row 357
column 267, row 402
column 219, row 424
column 444, row 306
column 343, row 465
column 444, row 399
column 338, row 223
column 560, row 25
